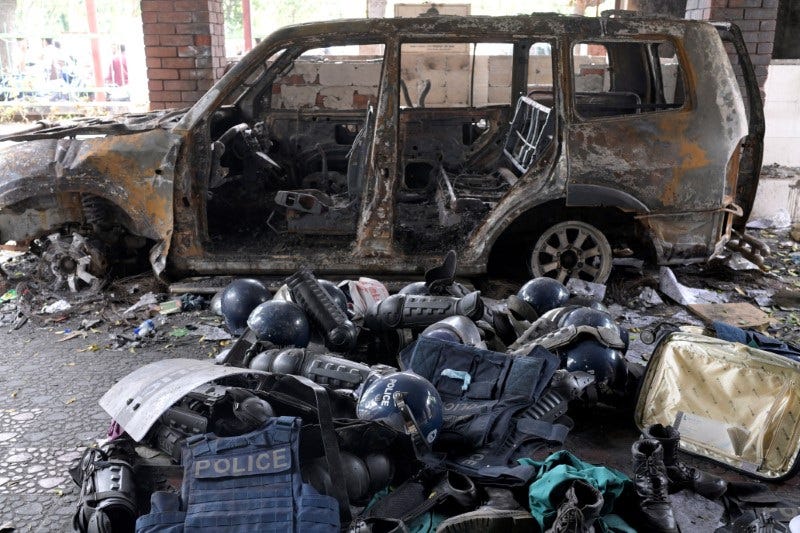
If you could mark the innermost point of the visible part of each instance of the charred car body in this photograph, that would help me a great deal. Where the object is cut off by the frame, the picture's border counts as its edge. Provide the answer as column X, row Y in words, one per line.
column 373, row 145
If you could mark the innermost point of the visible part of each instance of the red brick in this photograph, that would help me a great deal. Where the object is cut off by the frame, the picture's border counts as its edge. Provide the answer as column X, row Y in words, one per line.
column 750, row 36
column 202, row 40
column 159, row 28
column 156, row 5
column 764, row 48
column 195, row 74
column 178, row 62
column 771, row 3
column 175, row 40
column 767, row 25
column 760, row 59
column 760, row 13
column 153, row 62
column 163, row 74
column 194, row 51
column 749, row 25
column 203, row 62
column 151, row 40
column 180, row 85
column 155, row 85
column 160, row 51
column 766, row 36
column 175, row 16
column 193, row 28
column 714, row 3
column 190, row 5
column 727, row 14
column 165, row 96
column 191, row 96
column 203, row 85
column 201, row 16
column 149, row 17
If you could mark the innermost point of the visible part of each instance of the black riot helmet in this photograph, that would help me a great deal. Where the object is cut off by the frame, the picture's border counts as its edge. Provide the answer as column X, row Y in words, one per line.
column 607, row 365
column 586, row 316
column 281, row 323
column 543, row 294
column 239, row 299
column 336, row 294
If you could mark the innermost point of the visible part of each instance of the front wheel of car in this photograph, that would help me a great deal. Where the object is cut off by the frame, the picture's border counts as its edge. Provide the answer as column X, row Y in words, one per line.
column 572, row 249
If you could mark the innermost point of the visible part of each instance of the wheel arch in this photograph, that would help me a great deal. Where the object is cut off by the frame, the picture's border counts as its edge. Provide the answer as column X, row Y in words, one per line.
column 520, row 235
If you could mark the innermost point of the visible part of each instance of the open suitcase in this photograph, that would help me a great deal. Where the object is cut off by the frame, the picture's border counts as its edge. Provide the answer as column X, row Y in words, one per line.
column 732, row 403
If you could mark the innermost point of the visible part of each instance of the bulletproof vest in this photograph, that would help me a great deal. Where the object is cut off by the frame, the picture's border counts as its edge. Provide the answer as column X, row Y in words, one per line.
column 495, row 407
column 250, row 482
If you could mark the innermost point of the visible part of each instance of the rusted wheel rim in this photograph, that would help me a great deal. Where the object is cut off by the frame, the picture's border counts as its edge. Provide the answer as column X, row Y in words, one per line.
column 572, row 249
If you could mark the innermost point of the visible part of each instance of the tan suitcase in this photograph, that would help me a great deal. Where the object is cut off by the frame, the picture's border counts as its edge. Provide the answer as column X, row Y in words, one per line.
column 737, row 405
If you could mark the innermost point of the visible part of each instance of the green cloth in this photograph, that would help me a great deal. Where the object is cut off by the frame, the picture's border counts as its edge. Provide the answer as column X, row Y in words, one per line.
column 561, row 467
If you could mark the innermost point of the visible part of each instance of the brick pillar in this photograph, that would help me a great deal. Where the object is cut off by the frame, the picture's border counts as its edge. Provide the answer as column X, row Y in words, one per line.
column 756, row 18
column 184, row 49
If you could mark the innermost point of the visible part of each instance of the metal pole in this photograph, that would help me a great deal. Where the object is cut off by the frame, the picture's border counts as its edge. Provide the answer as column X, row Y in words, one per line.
column 248, row 33
column 91, row 15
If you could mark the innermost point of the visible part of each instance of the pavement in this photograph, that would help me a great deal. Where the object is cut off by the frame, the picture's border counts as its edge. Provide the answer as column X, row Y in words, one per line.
column 50, row 384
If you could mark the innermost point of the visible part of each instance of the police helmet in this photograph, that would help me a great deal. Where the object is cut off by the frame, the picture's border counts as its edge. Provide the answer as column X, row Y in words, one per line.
column 585, row 316
column 459, row 329
column 239, row 299
column 543, row 294
column 404, row 401
column 281, row 323
column 336, row 294
column 606, row 364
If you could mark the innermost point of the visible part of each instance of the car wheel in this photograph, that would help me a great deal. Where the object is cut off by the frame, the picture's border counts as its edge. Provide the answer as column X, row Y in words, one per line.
column 72, row 263
column 572, row 249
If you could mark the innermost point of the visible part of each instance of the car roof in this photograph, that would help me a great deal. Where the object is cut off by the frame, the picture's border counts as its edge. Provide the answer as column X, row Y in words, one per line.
column 466, row 27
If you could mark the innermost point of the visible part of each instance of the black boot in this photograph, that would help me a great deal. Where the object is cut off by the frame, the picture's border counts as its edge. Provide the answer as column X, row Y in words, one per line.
column 680, row 475
column 650, row 481
column 579, row 510
column 500, row 514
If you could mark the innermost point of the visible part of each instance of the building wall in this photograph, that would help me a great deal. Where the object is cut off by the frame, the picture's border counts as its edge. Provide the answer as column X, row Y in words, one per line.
column 782, row 109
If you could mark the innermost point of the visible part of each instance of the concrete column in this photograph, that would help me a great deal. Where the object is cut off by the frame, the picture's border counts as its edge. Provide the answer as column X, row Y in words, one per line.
column 184, row 49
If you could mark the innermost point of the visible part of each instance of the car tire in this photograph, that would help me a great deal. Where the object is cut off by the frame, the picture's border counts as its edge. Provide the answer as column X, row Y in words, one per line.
column 571, row 249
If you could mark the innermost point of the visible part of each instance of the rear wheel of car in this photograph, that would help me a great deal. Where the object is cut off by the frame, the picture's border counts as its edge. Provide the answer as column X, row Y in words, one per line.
column 572, row 249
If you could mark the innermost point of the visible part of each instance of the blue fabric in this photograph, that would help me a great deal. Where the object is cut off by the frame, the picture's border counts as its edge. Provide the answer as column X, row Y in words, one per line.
column 546, row 492
column 758, row 340
column 245, row 483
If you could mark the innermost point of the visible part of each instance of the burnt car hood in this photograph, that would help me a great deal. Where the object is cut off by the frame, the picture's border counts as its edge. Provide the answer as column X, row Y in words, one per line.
column 118, row 125
column 129, row 161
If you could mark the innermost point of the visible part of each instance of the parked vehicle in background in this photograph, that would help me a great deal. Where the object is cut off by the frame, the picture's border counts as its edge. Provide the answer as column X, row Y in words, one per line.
column 534, row 143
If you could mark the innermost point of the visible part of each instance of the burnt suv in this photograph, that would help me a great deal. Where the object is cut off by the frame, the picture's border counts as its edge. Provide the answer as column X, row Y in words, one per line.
column 535, row 143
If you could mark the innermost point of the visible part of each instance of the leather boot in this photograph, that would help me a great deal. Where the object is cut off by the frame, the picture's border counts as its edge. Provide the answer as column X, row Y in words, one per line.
column 651, row 482
column 680, row 475
column 500, row 514
column 579, row 510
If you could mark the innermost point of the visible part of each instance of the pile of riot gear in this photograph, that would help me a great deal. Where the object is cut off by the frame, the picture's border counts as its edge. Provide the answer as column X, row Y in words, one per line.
column 322, row 417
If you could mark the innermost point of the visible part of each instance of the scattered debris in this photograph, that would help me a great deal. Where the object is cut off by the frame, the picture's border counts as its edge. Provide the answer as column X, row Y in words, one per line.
column 740, row 314
column 10, row 294
column 649, row 297
column 56, row 307
column 780, row 219
column 737, row 262
column 586, row 289
column 146, row 300
column 669, row 285
column 145, row 329
column 210, row 333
